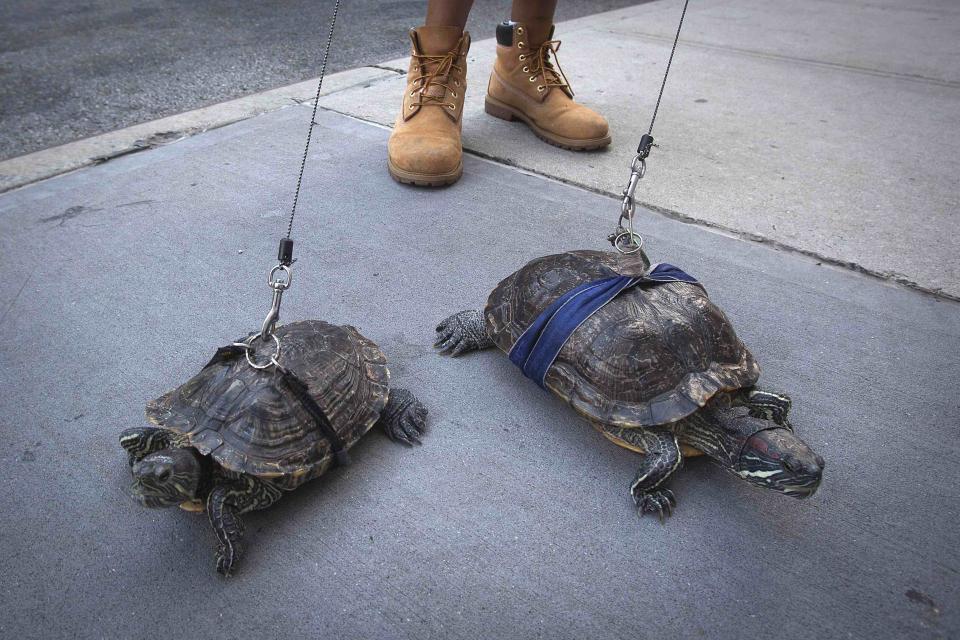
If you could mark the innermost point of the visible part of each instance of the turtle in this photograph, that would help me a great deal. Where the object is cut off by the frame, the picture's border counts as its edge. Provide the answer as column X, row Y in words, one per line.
column 235, row 438
column 658, row 370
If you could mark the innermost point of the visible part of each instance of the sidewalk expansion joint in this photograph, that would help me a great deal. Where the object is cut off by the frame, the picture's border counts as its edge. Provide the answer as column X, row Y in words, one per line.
column 885, row 276
column 891, row 278
column 753, row 53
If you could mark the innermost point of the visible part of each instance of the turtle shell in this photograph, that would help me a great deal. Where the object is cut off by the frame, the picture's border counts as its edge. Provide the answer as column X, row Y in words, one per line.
column 651, row 356
column 250, row 422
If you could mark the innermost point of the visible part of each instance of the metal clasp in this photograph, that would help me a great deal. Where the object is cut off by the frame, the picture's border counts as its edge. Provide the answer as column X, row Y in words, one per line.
column 247, row 346
column 279, row 285
column 625, row 239
column 637, row 170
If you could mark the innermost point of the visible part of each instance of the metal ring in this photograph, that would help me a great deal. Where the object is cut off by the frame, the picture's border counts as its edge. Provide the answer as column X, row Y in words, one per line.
column 278, row 284
column 621, row 239
column 274, row 359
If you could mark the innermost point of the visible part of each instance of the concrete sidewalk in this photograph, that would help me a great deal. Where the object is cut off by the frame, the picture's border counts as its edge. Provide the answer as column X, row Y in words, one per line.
column 513, row 519
column 828, row 127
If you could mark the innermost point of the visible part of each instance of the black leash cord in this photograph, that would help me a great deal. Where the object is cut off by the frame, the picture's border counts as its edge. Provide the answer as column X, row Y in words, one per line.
column 281, row 276
column 669, row 62
column 625, row 239
column 313, row 121
column 646, row 140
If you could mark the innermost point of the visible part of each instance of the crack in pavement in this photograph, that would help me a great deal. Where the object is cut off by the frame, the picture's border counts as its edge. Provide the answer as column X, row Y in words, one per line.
column 747, row 236
column 753, row 53
column 14, row 301
column 69, row 214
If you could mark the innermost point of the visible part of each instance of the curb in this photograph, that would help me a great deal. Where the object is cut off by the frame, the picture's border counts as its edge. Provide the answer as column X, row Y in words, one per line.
column 40, row 165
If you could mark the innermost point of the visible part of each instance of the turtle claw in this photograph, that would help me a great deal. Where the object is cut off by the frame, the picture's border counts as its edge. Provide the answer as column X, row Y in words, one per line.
column 449, row 345
column 660, row 502
column 404, row 419
column 462, row 332
column 412, row 427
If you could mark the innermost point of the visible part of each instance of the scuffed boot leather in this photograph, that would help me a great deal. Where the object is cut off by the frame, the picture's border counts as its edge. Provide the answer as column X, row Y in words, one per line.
column 424, row 148
column 527, row 85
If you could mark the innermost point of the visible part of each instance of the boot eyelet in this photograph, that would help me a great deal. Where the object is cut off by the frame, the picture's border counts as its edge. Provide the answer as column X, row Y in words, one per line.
column 541, row 88
column 452, row 107
column 454, row 93
column 525, row 69
column 533, row 78
column 520, row 45
column 412, row 107
column 519, row 31
column 522, row 57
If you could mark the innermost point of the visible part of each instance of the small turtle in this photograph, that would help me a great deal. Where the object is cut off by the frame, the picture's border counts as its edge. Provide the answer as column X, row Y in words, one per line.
column 234, row 438
column 658, row 370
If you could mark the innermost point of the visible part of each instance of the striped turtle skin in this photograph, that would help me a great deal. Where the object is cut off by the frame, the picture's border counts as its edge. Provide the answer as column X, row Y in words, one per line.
column 235, row 439
column 657, row 370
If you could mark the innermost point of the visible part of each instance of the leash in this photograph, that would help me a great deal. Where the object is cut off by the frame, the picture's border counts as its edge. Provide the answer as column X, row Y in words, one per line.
column 281, row 276
column 625, row 239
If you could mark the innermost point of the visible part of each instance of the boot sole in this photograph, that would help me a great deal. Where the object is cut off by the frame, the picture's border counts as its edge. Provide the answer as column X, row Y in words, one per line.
column 424, row 179
column 504, row 111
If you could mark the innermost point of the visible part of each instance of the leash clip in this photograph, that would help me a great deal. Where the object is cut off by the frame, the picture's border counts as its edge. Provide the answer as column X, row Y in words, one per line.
column 624, row 239
column 279, row 284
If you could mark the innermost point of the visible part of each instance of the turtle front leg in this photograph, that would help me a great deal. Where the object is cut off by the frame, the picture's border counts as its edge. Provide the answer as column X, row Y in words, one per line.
column 228, row 499
column 404, row 419
column 768, row 405
column 660, row 458
column 139, row 442
column 462, row 332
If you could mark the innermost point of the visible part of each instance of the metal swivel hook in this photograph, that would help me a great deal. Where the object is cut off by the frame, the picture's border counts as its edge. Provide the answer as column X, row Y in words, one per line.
column 279, row 284
column 279, row 279
column 625, row 239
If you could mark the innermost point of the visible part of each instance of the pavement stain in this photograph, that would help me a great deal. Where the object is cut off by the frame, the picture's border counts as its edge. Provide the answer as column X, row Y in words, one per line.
column 29, row 453
column 78, row 210
column 69, row 214
column 919, row 597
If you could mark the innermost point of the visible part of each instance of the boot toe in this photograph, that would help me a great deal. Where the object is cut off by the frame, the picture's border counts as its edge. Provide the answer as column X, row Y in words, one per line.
column 424, row 155
column 581, row 124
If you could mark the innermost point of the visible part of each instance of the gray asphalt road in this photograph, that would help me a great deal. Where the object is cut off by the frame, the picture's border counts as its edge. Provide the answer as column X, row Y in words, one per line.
column 70, row 70
column 513, row 520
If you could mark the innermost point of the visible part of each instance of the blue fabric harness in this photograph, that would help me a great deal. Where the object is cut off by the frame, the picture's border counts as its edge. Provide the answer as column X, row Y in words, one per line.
column 538, row 346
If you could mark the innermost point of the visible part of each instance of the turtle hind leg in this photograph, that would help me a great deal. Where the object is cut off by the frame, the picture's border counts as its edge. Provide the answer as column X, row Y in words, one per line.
column 404, row 419
column 228, row 499
column 768, row 405
column 462, row 332
column 139, row 442
column 661, row 457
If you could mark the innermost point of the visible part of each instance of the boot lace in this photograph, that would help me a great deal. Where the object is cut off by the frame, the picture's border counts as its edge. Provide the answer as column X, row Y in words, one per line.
column 436, row 71
column 542, row 65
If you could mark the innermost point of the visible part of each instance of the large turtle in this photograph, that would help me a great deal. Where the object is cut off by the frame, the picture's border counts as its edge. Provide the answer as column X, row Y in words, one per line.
column 658, row 369
column 234, row 438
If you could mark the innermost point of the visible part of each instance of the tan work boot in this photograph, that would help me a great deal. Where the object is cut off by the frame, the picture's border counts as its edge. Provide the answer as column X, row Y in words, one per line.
column 527, row 85
column 424, row 148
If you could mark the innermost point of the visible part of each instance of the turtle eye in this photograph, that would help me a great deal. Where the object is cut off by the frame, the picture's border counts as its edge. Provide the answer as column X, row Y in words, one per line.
column 164, row 474
column 791, row 465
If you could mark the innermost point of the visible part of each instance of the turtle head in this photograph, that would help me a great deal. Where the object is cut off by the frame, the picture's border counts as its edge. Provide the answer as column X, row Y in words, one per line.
column 777, row 459
column 167, row 477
